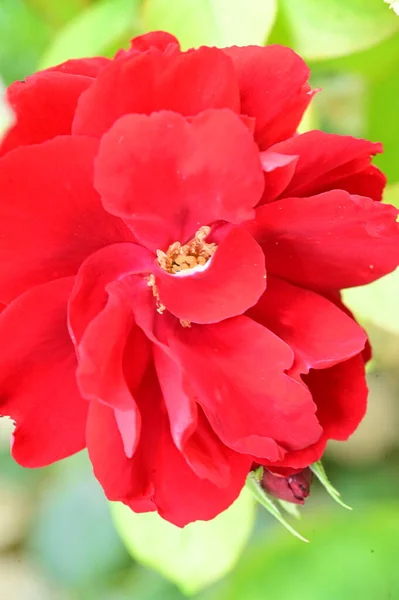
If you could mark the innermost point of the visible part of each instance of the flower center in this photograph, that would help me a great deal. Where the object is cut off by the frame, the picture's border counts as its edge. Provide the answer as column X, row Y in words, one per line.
column 178, row 260
column 196, row 253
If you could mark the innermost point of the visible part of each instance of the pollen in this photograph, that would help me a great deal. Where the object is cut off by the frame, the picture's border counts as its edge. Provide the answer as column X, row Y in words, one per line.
column 196, row 253
column 152, row 284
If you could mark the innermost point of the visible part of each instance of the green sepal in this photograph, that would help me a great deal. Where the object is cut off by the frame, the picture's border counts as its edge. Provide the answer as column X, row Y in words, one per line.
column 318, row 469
column 290, row 508
column 253, row 484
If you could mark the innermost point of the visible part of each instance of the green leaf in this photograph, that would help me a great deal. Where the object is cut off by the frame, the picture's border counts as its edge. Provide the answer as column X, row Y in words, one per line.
column 351, row 556
column 329, row 28
column 374, row 63
column 253, row 484
column 93, row 31
column 321, row 475
column 394, row 4
column 192, row 557
column 391, row 194
column 6, row 114
column 212, row 22
column 383, row 122
column 23, row 35
column 57, row 13
column 72, row 536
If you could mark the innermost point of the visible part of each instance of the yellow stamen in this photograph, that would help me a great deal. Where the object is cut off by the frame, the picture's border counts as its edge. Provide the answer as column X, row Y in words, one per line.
column 177, row 258
column 185, row 323
column 152, row 284
column 196, row 252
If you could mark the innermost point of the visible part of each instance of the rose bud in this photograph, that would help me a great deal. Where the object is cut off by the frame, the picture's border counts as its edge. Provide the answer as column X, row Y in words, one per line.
column 294, row 488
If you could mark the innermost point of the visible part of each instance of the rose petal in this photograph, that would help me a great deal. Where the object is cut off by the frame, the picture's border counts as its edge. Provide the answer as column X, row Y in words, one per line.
column 330, row 241
column 157, row 477
column 320, row 334
column 113, row 352
column 91, row 67
column 154, row 39
column 278, row 169
column 101, row 354
column 191, row 431
column 112, row 347
column 327, row 161
column 299, row 459
column 44, row 105
column 206, row 170
column 237, row 369
column 340, row 393
column 187, row 83
column 273, row 89
column 37, row 376
column 52, row 217
column 232, row 281
column 89, row 295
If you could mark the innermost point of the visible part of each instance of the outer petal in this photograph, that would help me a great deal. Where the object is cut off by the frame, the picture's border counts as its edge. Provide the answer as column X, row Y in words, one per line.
column 51, row 218
column 187, row 83
column 278, row 169
column 340, row 393
column 44, row 105
column 237, row 370
column 341, row 397
column 154, row 39
column 37, row 377
column 157, row 477
column 332, row 240
column 273, row 89
column 206, row 170
column 327, row 161
column 91, row 67
column 319, row 333
column 300, row 459
column 231, row 282
column 120, row 476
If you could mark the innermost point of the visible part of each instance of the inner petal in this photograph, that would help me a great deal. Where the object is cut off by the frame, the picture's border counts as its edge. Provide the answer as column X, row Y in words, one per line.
column 204, row 282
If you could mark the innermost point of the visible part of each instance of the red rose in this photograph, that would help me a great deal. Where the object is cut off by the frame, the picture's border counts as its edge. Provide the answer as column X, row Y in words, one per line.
column 141, row 199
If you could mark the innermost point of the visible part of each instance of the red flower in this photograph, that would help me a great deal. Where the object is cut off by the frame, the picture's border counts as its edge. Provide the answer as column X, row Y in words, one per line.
column 141, row 199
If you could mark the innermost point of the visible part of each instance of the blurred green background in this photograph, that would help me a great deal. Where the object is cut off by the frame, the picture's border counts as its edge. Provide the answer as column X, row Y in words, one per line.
column 57, row 538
